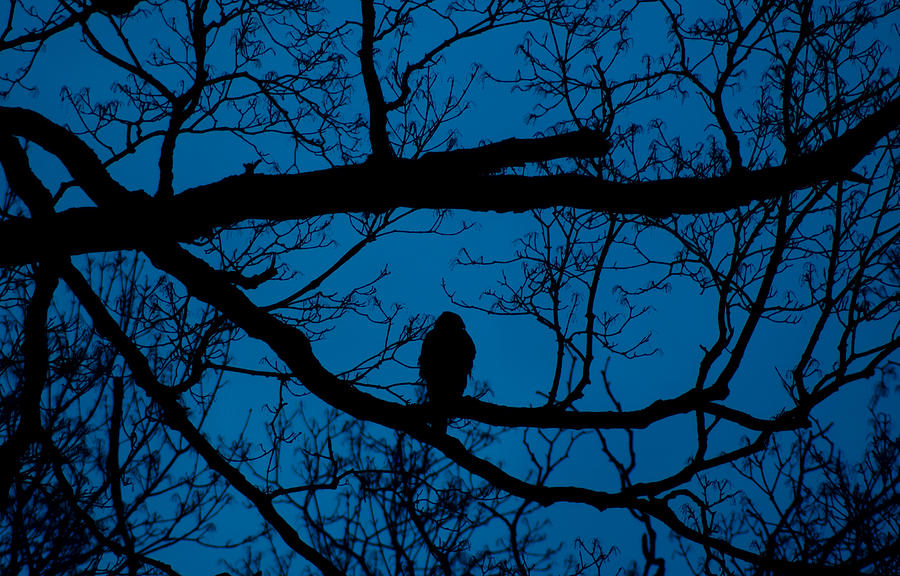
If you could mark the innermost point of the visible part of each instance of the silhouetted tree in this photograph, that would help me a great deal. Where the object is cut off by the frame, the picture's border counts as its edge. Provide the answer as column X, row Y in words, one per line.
column 205, row 366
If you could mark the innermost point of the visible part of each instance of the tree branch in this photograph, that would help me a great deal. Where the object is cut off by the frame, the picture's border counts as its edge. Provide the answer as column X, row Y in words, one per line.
column 456, row 179
column 176, row 418
column 378, row 133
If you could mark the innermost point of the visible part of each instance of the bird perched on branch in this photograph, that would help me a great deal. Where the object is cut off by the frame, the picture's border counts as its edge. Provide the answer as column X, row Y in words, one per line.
column 445, row 363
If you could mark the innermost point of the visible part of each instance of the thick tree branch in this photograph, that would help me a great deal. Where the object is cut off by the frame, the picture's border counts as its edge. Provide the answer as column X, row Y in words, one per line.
column 22, row 179
column 81, row 162
column 457, row 179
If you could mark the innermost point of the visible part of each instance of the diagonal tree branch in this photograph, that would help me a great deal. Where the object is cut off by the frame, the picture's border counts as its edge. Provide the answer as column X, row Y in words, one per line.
column 293, row 349
column 176, row 418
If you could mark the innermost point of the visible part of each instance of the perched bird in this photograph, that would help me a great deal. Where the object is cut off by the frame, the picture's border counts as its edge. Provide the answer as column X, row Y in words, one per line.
column 445, row 364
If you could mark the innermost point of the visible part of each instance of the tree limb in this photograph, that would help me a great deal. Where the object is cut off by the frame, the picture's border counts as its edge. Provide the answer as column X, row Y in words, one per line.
column 458, row 179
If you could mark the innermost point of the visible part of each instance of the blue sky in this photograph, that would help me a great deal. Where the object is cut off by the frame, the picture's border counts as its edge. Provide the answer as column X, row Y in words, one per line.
column 515, row 356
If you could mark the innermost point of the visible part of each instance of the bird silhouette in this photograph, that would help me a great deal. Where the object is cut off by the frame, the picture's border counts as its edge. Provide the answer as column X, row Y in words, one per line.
column 445, row 363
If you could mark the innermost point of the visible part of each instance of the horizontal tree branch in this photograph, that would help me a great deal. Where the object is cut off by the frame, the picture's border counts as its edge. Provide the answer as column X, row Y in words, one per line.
column 459, row 179
column 551, row 417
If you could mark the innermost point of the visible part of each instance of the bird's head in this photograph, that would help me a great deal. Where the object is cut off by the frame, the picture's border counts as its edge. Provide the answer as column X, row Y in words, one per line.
column 449, row 320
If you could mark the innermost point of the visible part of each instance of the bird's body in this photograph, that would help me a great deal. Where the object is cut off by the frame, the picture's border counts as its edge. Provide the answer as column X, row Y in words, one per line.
column 445, row 363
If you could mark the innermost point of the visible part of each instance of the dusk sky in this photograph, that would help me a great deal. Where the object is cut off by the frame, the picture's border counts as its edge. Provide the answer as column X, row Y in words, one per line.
column 515, row 355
